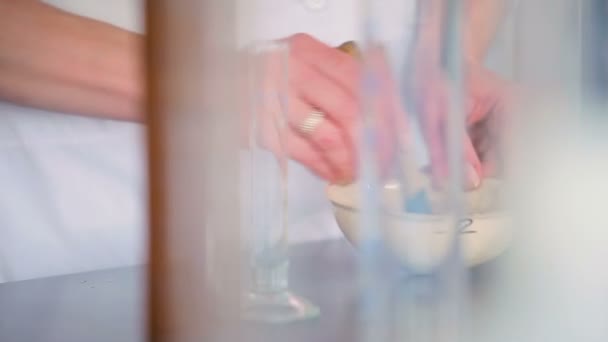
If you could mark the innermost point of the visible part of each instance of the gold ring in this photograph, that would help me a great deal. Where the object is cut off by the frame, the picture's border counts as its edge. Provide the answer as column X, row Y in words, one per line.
column 310, row 124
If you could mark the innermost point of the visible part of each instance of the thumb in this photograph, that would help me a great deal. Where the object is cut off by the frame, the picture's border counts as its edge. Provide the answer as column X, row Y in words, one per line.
column 473, row 169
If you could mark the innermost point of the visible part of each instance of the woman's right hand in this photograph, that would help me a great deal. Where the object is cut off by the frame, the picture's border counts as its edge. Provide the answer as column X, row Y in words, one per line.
column 320, row 79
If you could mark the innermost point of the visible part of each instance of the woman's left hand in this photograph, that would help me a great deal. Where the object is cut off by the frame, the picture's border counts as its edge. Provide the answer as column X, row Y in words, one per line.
column 490, row 99
column 487, row 99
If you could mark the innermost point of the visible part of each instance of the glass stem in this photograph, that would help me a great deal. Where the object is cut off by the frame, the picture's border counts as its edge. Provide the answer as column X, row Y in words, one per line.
column 271, row 279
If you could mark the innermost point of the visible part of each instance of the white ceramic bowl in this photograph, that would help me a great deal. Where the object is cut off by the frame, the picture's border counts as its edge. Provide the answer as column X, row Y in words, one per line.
column 422, row 241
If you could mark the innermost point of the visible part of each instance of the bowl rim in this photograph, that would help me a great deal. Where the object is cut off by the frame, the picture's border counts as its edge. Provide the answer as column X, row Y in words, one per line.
column 411, row 216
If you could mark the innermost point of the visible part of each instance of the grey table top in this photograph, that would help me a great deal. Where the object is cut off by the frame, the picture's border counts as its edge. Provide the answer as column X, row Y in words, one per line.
column 108, row 305
column 97, row 306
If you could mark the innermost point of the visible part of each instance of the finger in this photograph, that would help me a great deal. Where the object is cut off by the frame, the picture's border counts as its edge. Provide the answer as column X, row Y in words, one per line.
column 473, row 170
column 331, row 140
column 393, row 135
column 494, row 97
column 300, row 150
column 390, row 118
column 433, row 132
column 283, row 140
column 482, row 137
column 325, row 94
column 483, row 106
column 306, row 154
column 337, row 65
column 382, row 124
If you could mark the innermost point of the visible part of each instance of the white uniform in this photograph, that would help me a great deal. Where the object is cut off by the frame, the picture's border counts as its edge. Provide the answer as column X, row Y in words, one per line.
column 73, row 189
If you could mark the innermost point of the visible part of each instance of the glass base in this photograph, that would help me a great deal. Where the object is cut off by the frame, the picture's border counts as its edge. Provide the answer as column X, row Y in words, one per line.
column 278, row 307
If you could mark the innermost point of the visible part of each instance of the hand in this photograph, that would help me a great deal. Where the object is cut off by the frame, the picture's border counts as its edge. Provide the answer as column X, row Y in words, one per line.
column 486, row 98
column 320, row 78
column 490, row 100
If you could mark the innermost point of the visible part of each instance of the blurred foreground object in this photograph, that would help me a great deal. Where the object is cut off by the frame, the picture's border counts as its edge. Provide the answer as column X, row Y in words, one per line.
column 194, row 287
column 549, row 286
column 265, row 229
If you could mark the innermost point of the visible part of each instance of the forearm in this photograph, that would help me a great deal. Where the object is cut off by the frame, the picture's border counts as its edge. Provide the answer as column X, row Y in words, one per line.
column 53, row 60
column 429, row 35
column 479, row 26
column 483, row 20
